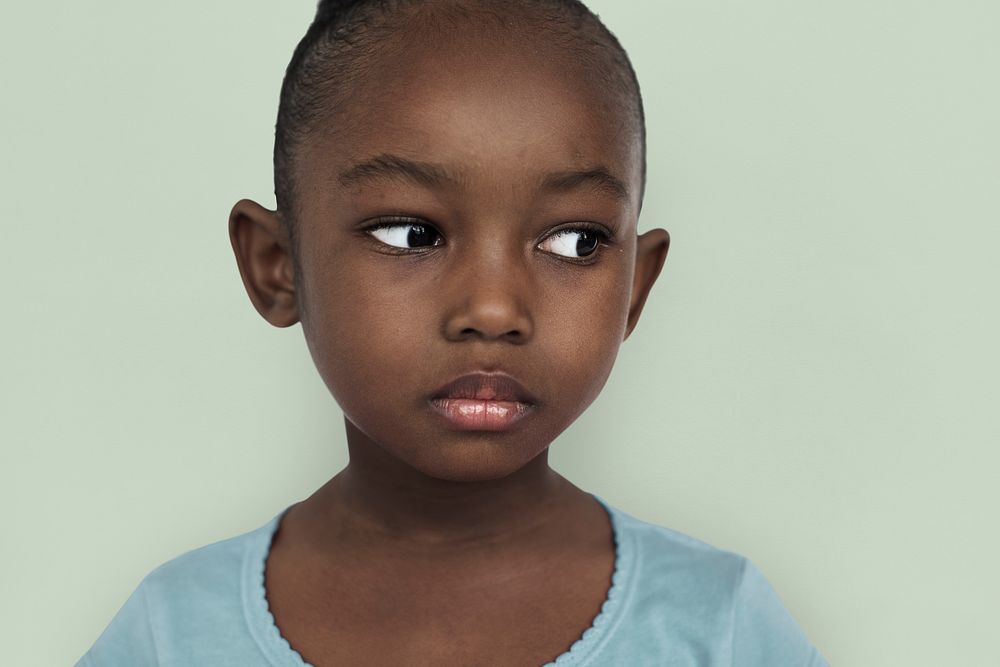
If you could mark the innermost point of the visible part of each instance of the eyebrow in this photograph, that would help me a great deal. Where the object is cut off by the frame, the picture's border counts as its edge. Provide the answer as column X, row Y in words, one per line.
column 598, row 179
column 388, row 167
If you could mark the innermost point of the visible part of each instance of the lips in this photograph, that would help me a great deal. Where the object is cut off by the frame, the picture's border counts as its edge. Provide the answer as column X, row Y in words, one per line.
column 483, row 402
column 485, row 387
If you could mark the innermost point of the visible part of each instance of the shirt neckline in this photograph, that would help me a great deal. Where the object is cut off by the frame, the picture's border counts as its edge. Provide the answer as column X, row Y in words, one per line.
column 280, row 652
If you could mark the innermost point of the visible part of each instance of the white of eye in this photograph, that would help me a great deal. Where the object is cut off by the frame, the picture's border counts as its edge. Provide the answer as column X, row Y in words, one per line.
column 403, row 235
column 567, row 243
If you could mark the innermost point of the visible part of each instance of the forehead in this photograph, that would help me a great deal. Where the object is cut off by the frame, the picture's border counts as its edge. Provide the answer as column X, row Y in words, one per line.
column 500, row 109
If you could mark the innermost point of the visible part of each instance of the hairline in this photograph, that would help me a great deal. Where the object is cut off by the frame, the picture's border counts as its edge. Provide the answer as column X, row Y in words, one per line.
column 378, row 35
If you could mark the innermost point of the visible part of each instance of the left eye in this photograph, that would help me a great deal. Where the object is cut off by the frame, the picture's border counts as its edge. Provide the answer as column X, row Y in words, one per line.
column 407, row 235
column 575, row 243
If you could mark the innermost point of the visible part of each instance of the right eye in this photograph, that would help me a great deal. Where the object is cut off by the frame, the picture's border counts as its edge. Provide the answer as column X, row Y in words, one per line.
column 407, row 235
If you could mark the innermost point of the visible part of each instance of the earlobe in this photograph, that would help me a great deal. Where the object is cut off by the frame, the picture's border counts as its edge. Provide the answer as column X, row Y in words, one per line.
column 263, row 254
column 650, row 253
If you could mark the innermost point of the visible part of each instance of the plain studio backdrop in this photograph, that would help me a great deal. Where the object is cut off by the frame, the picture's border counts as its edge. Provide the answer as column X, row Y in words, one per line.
column 813, row 383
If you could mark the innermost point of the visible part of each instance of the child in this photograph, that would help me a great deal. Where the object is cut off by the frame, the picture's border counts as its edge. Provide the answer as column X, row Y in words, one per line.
column 458, row 186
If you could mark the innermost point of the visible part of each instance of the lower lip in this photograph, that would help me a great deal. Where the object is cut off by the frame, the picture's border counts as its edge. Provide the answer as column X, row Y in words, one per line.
column 480, row 415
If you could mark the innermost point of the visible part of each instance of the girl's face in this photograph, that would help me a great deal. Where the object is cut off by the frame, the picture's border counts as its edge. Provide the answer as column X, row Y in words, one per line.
column 474, row 212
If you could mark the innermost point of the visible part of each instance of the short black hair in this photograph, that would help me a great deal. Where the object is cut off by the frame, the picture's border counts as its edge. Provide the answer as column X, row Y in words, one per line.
column 346, row 34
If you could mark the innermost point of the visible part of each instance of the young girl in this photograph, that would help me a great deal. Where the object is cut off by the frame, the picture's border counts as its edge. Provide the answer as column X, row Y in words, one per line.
column 458, row 186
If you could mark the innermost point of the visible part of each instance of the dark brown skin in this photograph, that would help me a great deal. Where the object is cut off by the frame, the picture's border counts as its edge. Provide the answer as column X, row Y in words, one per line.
column 436, row 546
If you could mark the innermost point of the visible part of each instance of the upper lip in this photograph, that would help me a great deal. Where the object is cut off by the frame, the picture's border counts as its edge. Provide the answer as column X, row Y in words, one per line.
column 484, row 386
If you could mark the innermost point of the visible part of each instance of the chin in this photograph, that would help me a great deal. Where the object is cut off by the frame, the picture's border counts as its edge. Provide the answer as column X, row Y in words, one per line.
column 476, row 462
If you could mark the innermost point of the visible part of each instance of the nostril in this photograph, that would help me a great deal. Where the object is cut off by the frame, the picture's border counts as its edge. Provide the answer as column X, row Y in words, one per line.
column 472, row 331
column 488, row 322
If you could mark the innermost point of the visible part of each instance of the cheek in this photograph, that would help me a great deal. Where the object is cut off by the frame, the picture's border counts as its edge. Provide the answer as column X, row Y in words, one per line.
column 376, row 334
column 368, row 340
column 585, row 325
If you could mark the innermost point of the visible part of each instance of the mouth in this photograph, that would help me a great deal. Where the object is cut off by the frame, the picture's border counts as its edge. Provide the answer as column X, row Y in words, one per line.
column 483, row 402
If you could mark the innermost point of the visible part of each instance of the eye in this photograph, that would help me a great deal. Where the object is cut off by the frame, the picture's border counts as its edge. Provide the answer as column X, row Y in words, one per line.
column 576, row 243
column 407, row 235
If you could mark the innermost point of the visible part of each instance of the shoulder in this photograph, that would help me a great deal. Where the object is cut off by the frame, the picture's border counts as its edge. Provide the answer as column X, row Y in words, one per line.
column 664, row 557
column 689, row 593
column 193, row 598
column 204, row 573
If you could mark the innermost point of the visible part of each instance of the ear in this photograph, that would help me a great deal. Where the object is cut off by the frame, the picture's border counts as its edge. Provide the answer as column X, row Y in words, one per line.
column 264, row 255
column 650, row 253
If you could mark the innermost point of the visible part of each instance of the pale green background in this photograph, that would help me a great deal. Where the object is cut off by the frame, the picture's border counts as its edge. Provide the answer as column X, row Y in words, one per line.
column 814, row 382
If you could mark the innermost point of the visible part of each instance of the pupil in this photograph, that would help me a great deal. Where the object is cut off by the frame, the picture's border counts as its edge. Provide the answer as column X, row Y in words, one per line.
column 586, row 244
column 419, row 235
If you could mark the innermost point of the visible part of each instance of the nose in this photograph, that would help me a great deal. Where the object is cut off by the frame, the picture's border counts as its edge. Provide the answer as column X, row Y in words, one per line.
column 490, row 301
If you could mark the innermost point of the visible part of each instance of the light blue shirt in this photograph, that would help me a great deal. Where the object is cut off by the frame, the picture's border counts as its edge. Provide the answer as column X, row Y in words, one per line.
column 673, row 601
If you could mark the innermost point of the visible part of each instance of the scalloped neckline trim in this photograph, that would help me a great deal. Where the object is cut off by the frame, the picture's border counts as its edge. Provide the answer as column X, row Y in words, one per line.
column 280, row 653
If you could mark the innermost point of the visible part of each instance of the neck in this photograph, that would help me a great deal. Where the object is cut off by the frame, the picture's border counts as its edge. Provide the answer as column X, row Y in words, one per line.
column 379, row 497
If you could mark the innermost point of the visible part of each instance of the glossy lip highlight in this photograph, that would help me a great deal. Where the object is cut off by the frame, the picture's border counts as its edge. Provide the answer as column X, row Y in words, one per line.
column 483, row 402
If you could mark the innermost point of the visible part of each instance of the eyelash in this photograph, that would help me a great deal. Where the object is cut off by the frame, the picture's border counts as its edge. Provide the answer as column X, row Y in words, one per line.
column 603, row 237
column 400, row 221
